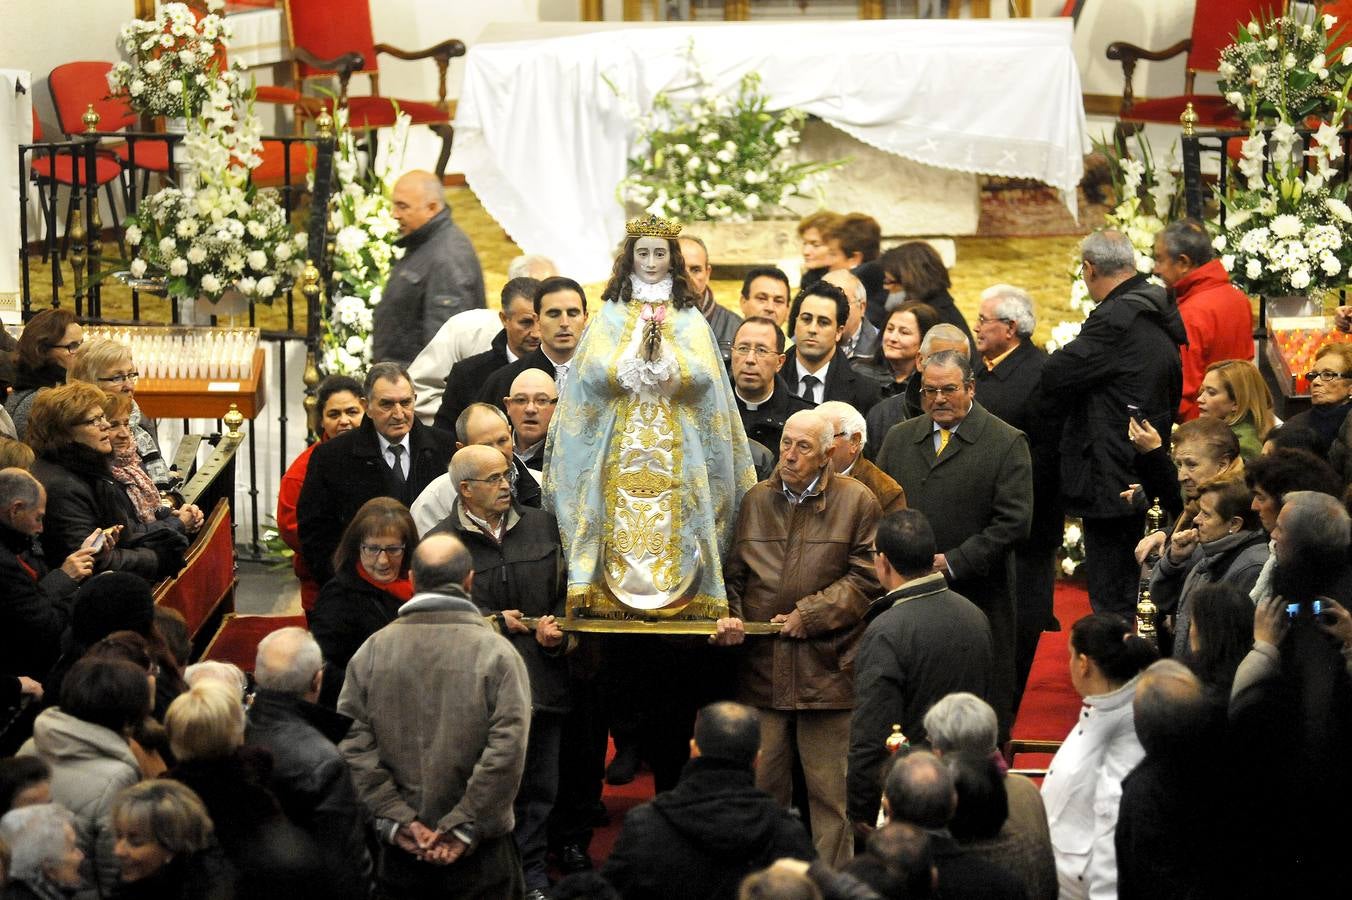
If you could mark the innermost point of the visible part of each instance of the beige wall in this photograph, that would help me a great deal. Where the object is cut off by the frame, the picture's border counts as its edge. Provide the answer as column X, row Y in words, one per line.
column 41, row 34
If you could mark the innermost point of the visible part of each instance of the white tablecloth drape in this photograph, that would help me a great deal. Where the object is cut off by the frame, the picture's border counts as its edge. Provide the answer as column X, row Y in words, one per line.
column 542, row 139
column 259, row 37
column 16, row 127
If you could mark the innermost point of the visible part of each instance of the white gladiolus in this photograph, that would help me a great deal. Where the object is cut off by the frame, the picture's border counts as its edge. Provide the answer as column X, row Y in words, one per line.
column 1329, row 21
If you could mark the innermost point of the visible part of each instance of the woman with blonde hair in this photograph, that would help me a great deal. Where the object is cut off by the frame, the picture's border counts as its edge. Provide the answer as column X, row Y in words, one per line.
column 166, row 844
column 1233, row 390
column 108, row 365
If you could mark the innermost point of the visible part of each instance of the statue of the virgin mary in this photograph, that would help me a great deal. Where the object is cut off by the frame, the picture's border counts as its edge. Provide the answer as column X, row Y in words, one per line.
column 646, row 460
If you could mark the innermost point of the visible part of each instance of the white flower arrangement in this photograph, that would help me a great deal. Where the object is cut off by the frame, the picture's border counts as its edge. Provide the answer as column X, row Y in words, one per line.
column 1148, row 198
column 1072, row 547
column 365, row 233
column 168, row 62
column 717, row 157
column 1282, row 69
column 223, row 234
column 1287, row 227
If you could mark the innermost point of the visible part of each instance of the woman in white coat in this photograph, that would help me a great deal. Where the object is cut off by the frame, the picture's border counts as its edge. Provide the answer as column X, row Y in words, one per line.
column 1084, row 784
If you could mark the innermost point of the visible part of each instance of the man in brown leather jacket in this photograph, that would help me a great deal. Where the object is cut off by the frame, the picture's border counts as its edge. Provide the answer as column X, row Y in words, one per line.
column 802, row 556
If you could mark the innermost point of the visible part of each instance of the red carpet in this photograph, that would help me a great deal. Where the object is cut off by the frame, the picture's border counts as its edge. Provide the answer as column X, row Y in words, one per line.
column 1050, row 705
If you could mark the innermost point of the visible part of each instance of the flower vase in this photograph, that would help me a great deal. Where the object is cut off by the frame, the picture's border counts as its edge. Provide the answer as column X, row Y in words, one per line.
column 187, row 172
column 199, row 310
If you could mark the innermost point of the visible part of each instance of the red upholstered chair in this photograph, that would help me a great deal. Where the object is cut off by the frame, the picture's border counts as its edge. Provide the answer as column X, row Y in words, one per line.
column 334, row 38
column 65, row 169
column 1214, row 24
column 77, row 85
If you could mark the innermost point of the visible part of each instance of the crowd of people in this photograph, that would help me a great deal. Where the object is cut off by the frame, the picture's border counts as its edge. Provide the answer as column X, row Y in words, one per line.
column 436, row 732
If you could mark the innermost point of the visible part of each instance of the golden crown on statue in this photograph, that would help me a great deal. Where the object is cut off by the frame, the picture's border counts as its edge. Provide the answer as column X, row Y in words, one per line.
column 652, row 226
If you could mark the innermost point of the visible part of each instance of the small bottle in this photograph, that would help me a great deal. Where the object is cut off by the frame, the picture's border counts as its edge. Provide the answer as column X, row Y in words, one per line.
column 896, row 740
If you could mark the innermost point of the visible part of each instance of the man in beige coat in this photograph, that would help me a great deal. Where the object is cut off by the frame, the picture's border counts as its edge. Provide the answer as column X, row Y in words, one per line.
column 802, row 557
column 441, row 710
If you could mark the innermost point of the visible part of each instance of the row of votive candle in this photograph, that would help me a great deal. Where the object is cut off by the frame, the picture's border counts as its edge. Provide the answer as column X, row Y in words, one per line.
column 168, row 353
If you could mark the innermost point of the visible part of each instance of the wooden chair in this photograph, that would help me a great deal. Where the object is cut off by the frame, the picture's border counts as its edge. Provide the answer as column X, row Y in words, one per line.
column 204, row 590
column 1214, row 25
column 334, row 38
column 1017, row 746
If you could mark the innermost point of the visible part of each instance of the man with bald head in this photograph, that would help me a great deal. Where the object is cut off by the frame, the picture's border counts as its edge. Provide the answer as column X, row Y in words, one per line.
column 440, row 709
column 485, row 425
column 859, row 341
column 437, row 277
column 518, row 571
column 802, row 557
column 530, row 406
column 309, row 776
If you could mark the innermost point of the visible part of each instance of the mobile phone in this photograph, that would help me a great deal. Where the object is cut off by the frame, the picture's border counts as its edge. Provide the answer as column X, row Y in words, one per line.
column 1317, row 607
column 99, row 540
column 1133, row 412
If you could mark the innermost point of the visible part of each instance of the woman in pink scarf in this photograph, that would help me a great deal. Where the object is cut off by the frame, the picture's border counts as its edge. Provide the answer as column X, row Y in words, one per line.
column 128, row 472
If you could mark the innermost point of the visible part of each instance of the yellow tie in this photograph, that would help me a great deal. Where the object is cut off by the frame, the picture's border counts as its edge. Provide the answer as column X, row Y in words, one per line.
column 944, row 435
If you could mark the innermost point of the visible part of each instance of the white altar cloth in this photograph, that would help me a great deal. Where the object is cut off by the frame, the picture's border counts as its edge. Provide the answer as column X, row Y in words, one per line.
column 16, row 127
column 543, row 140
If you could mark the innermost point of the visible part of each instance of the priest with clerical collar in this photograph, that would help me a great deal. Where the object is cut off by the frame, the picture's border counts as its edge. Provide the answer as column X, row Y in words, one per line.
column 764, row 400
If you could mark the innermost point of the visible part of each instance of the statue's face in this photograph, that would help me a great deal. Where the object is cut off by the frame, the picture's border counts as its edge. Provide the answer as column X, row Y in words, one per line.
column 652, row 259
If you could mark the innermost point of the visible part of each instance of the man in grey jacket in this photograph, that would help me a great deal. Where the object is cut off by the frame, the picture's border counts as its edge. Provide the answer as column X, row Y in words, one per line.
column 438, row 276
column 441, row 711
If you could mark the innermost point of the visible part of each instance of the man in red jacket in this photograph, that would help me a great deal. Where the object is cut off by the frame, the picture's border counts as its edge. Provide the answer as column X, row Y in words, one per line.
column 1218, row 315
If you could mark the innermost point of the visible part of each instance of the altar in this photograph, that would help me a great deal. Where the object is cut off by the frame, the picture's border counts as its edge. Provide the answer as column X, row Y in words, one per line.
column 544, row 126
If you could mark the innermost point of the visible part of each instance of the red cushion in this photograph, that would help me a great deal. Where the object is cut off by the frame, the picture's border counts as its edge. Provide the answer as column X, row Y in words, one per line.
column 273, row 170
column 152, row 155
column 76, row 85
column 66, row 170
column 378, row 112
column 1214, row 25
column 1212, row 111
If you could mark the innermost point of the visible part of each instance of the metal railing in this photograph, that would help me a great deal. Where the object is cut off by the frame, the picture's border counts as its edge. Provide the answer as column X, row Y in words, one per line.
column 88, row 266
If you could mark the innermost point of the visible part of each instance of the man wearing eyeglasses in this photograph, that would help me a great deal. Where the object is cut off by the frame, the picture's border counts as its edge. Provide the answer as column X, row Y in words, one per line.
column 764, row 400
column 519, row 571
column 391, row 454
column 530, row 406
column 972, row 476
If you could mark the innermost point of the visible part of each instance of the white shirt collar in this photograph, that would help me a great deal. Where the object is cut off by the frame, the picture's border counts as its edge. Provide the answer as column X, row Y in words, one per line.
column 752, row 406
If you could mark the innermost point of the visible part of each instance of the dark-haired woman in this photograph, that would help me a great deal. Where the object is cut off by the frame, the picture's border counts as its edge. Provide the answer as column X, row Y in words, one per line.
column 46, row 349
column 1084, row 782
column 369, row 584
column 341, row 409
column 915, row 271
column 1220, row 637
column 1225, row 543
column 647, row 460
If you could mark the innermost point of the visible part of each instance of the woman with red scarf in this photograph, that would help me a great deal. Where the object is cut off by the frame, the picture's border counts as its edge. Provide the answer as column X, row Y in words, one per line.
column 369, row 585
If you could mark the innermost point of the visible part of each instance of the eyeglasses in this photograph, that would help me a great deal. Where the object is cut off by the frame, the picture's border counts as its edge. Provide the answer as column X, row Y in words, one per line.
column 121, row 378
column 495, row 478
column 982, row 320
column 947, row 390
column 758, row 352
column 1325, row 375
column 541, row 400
column 373, row 550
column 101, row 421
column 69, row 348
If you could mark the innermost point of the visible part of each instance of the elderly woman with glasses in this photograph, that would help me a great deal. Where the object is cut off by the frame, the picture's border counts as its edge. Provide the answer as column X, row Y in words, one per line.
column 45, row 352
column 1330, row 396
column 69, row 431
column 369, row 584
column 128, row 467
column 108, row 365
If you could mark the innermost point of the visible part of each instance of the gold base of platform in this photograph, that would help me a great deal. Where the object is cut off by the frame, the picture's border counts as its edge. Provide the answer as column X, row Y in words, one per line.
column 652, row 626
